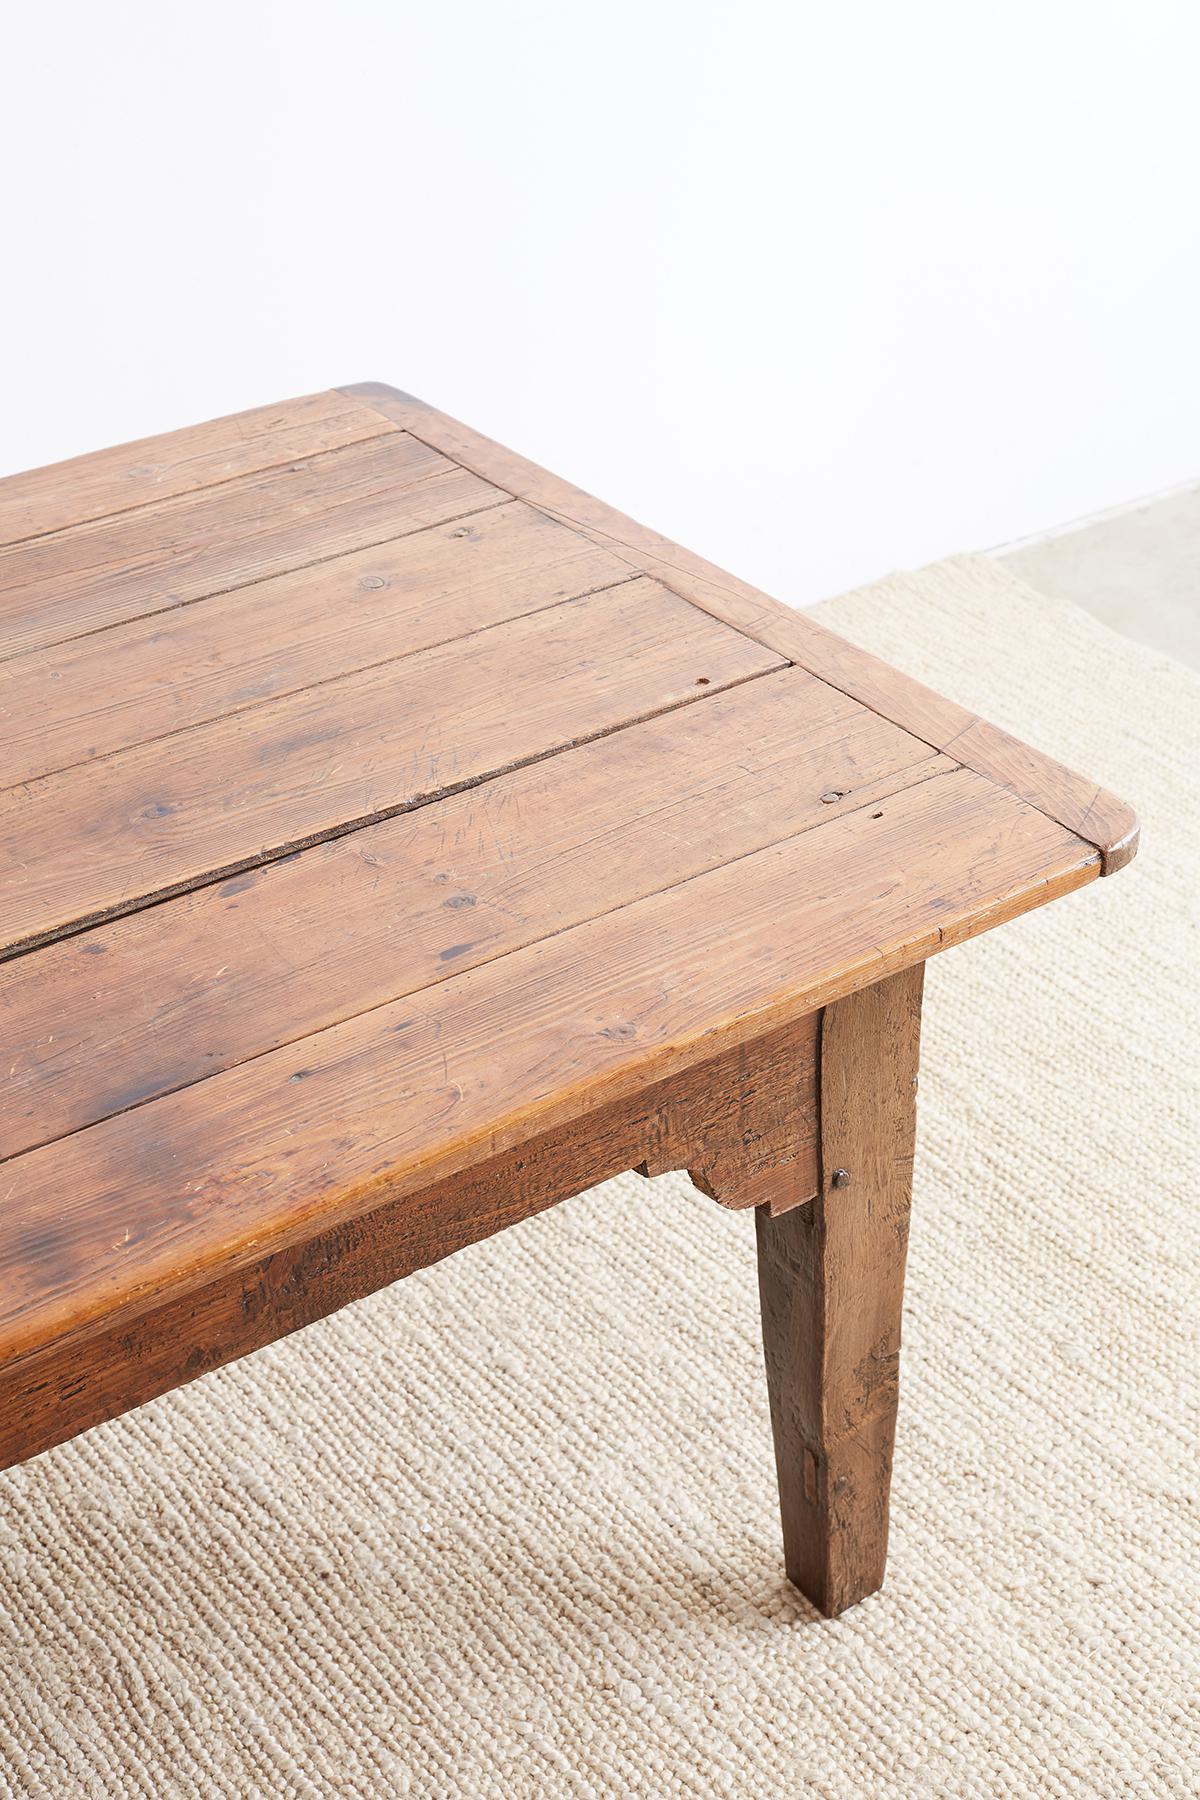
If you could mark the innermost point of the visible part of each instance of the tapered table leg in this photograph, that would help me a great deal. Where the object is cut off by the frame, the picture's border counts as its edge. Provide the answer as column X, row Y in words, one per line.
column 831, row 1281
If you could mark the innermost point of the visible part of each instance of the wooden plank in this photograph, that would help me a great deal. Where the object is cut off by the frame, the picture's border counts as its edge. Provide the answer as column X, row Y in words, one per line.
column 108, row 836
column 72, row 1385
column 163, row 1197
column 175, row 551
column 742, row 1124
column 143, row 680
column 831, row 1283
column 1060, row 793
column 156, row 468
column 136, row 1007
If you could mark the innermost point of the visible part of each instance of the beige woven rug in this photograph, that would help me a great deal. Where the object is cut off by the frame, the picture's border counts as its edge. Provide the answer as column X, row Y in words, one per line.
column 509, row 1529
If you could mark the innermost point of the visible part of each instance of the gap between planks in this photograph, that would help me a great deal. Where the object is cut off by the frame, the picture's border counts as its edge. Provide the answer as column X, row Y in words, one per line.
column 344, row 828
column 201, row 487
column 903, row 782
column 641, row 809
column 156, row 612
column 163, row 465
column 212, row 541
column 380, row 662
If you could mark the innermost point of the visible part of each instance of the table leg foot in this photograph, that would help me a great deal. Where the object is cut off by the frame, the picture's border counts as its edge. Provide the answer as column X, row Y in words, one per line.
column 831, row 1280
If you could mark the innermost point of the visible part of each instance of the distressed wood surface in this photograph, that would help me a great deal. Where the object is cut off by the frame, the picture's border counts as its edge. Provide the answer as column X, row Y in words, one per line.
column 1079, row 804
column 423, row 1087
column 143, row 680
column 207, row 542
column 831, row 1283
column 742, row 1125
column 76, row 1382
column 160, row 998
column 394, row 840
column 157, row 468
column 104, row 837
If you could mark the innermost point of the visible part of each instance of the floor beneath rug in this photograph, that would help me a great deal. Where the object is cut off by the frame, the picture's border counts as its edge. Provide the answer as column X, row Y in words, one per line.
column 1137, row 569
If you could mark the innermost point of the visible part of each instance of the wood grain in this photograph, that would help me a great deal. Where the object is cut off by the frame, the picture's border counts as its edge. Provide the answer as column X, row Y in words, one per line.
column 176, row 551
column 156, row 468
column 831, row 1283
column 106, row 837
column 1071, row 799
column 154, row 1000
column 160, row 1198
column 742, row 1124
column 75, row 1383
column 142, row 680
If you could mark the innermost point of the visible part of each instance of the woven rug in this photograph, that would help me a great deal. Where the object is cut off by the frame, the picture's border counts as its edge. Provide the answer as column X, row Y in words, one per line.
column 509, row 1529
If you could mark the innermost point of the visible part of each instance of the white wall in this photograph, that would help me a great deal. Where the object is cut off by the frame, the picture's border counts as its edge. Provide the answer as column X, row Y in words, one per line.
column 819, row 289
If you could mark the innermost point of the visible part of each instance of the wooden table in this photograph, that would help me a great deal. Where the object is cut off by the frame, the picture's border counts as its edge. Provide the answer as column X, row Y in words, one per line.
column 394, row 841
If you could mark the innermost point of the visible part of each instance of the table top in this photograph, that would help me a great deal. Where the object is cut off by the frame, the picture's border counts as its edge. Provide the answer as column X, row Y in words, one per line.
column 372, row 800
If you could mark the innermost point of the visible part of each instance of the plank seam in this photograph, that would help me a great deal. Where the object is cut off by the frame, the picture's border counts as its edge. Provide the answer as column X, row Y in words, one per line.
column 203, row 487
column 344, row 828
column 885, row 791
column 236, row 587
column 88, row 762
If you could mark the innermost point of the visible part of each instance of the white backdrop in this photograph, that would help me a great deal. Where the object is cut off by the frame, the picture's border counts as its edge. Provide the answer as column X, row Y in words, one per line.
column 819, row 289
